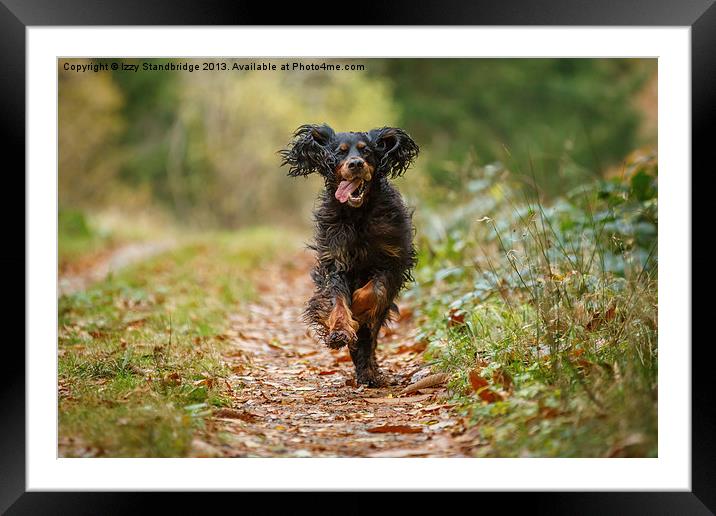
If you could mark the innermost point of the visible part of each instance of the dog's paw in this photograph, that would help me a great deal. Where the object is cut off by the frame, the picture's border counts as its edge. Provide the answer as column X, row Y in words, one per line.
column 377, row 379
column 339, row 338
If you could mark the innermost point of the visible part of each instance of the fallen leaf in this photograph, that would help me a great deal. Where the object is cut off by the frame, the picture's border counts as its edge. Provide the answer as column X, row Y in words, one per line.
column 395, row 429
column 490, row 396
column 429, row 381
column 207, row 382
column 476, row 381
column 598, row 319
column 172, row 378
column 456, row 317
column 481, row 387
column 398, row 401
column 437, row 407
column 417, row 347
column 230, row 413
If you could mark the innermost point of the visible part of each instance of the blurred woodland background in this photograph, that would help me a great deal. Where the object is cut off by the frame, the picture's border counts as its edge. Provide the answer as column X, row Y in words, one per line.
column 537, row 220
column 199, row 148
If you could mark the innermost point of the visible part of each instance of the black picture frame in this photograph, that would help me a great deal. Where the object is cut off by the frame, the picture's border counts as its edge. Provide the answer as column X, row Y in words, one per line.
column 17, row 15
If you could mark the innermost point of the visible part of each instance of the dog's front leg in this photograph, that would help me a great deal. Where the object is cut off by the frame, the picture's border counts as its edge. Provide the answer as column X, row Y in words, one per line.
column 341, row 326
column 371, row 305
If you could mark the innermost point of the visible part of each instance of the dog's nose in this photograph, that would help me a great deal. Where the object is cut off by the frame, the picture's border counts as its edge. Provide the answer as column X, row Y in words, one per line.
column 355, row 164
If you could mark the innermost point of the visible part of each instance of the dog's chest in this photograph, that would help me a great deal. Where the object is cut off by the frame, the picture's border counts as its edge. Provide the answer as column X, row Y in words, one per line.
column 359, row 246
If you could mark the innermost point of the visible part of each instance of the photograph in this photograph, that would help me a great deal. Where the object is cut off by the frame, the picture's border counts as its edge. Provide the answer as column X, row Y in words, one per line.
column 357, row 257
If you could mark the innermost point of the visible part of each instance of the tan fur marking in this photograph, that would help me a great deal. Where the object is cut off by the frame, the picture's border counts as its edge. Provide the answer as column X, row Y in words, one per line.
column 367, row 301
column 364, row 299
column 343, row 172
column 341, row 319
column 392, row 250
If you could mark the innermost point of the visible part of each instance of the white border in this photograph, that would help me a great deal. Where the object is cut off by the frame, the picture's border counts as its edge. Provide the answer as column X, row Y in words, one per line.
column 670, row 471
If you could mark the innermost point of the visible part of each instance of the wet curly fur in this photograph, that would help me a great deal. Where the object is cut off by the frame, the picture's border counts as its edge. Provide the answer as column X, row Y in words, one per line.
column 363, row 240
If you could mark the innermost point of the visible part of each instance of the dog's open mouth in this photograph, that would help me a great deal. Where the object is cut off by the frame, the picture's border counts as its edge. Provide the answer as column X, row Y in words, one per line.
column 352, row 192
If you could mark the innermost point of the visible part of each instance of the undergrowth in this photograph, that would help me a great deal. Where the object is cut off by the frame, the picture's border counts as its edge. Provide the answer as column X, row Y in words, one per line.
column 545, row 316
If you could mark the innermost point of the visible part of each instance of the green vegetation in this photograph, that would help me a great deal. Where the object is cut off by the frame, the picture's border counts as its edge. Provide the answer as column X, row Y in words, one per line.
column 545, row 316
column 572, row 118
column 140, row 363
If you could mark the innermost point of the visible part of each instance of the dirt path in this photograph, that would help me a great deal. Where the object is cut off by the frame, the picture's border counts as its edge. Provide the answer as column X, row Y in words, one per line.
column 295, row 398
column 98, row 267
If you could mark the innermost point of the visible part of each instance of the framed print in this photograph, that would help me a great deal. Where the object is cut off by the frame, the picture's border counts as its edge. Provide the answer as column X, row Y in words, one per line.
column 422, row 253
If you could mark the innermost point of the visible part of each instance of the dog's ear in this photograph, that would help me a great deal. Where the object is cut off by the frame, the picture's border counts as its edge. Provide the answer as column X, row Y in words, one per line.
column 395, row 148
column 308, row 152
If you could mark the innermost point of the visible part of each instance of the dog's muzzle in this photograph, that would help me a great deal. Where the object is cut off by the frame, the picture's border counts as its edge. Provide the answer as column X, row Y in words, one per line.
column 356, row 175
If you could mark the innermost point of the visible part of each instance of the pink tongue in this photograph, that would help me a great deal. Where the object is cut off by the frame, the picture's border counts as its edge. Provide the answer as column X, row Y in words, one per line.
column 345, row 189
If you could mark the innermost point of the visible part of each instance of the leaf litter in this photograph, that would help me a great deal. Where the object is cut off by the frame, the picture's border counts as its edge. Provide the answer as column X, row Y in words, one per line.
column 292, row 397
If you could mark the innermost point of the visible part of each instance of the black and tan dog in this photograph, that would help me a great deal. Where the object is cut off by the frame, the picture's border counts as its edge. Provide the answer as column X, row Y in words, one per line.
column 363, row 238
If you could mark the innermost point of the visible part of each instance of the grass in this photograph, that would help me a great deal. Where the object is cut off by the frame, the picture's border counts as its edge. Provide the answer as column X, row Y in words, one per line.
column 140, row 363
column 546, row 318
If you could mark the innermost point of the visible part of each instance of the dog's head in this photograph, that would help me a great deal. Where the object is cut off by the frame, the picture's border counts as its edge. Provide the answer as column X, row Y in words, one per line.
column 349, row 162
